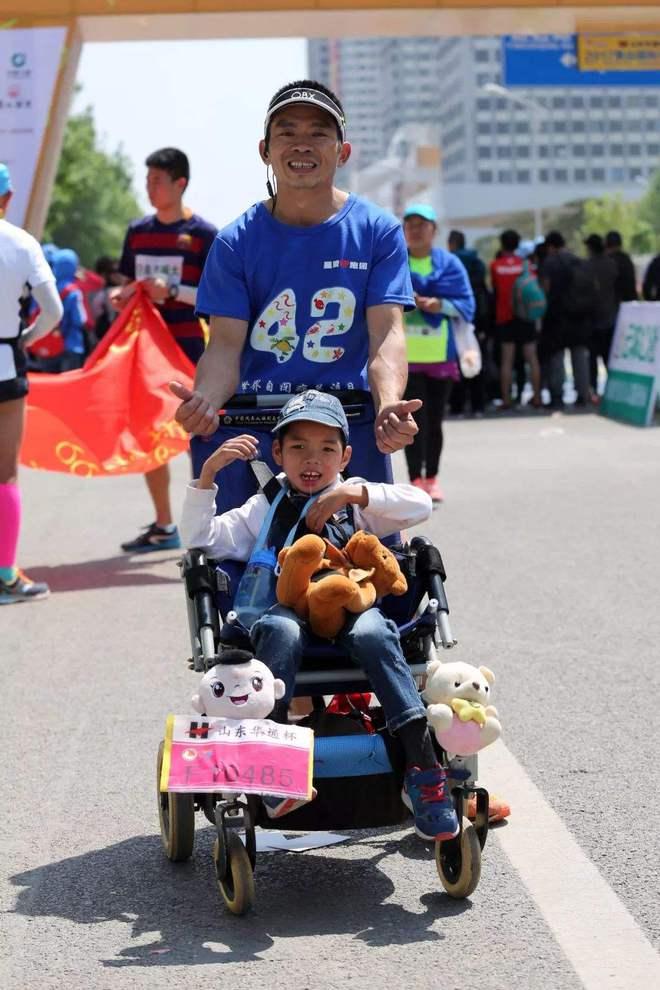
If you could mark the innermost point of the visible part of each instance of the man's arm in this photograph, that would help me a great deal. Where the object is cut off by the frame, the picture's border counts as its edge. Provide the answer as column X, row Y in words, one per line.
column 50, row 312
column 387, row 370
column 216, row 379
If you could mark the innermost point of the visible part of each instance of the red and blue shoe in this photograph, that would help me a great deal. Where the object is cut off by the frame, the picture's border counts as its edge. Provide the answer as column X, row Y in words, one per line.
column 425, row 794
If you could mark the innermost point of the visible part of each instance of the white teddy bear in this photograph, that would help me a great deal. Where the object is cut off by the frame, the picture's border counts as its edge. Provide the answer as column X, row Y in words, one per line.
column 459, row 709
column 238, row 687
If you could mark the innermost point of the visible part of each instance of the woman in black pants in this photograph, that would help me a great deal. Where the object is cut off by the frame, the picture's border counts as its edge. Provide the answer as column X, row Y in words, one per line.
column 442, row 293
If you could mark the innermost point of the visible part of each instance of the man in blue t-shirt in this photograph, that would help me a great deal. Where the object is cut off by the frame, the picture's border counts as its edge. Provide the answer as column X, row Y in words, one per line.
column 306, row 289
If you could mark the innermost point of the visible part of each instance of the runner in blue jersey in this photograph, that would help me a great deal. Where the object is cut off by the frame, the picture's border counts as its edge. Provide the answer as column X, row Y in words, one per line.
column 306, row 289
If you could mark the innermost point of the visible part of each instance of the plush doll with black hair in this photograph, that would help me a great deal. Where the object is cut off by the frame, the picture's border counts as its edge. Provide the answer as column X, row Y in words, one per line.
column 239, row 686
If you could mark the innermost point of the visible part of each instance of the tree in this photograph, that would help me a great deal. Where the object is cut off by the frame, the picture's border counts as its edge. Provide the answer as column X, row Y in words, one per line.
column 614, row 213
column 93, row 198
column 649, row 208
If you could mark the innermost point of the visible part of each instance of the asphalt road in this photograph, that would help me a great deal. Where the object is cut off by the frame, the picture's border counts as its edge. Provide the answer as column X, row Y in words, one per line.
column 550, row 533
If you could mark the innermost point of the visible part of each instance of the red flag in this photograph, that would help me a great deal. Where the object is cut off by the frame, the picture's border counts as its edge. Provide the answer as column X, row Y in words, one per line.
column 116, row 414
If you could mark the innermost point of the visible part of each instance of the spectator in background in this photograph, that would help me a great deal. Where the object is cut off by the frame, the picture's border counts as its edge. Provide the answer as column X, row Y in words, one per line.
column 605, row 275
column 571, row 295
column 511, row 330
column 74, row 317
column 476, row 269
column 166, row 252
column 626, row 283
column 22, row 264
column 442, row 292
column 651, row 285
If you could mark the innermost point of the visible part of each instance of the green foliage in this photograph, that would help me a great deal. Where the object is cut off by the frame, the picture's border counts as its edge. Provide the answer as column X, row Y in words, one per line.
column 614, row 213
column 649, row 208
column 93, row 199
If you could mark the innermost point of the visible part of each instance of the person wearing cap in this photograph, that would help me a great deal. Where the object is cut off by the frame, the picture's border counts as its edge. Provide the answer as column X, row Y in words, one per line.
column 306, row 288
column 23, row 270
column 442, row 294
column 626, row 283
column 165, row 251
column 605, row 275
column 312, row 448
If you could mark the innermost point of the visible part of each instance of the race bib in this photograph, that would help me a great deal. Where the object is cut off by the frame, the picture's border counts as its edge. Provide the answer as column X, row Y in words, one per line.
column 167, row 267
column 237, row 756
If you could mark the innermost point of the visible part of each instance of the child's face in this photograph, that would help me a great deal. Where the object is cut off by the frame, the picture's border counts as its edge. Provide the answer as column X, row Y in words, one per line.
column 311, row 455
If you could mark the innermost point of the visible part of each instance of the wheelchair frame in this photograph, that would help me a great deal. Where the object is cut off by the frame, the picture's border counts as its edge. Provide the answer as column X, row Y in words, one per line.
column 458, row 860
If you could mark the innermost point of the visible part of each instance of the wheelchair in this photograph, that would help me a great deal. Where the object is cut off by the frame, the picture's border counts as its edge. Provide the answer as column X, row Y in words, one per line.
column 358, row 768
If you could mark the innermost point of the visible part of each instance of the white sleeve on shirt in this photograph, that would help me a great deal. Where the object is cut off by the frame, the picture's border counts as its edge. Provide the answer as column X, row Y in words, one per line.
column 39, row 271
column 187, row 294
column 50, row 311
column 391, row 507
column 231, row 535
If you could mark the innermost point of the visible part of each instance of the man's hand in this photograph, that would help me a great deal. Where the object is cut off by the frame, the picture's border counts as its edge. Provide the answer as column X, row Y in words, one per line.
column 119, row 297
column 241, row 448
column 196, row 414
column 395, row 427
column 156, row 289
column 330, row 502
column 428, row 304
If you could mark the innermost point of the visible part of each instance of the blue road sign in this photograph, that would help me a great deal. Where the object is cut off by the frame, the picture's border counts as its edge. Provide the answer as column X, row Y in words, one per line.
column 552, row 60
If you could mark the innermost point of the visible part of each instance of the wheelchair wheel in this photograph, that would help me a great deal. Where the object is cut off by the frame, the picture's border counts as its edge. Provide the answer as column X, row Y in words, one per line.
column 459, row 862
column 177, row 819
column 237, row 885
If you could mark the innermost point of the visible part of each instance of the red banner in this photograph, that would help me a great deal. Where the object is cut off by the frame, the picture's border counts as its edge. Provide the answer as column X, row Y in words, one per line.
column 116, row 414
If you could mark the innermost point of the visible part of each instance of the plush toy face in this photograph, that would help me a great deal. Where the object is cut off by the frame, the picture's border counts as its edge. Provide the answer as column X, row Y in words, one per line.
column 366, row 550
column 243, row 690
column 446, row 681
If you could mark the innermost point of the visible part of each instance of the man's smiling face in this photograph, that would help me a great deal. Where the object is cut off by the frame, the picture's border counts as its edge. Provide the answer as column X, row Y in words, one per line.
column 304, row 147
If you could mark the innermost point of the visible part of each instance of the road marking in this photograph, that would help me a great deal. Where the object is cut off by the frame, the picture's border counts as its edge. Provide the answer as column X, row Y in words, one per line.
column 596, row 932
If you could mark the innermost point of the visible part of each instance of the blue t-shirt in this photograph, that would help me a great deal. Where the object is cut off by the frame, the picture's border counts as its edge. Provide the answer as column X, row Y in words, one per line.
column 305, row 292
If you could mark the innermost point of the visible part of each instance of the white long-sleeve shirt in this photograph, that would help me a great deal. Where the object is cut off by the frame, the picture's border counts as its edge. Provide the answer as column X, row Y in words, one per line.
column 233, row 535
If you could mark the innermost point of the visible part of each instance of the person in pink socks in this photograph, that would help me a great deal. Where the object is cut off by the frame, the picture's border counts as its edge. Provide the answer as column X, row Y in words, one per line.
column 442, row 294
column 23, row 270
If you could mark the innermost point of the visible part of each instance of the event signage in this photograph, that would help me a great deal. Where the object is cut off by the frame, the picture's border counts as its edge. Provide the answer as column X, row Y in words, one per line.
column 30, row 59
column 585, row 60
column 619, row 52
column 634, row 365
column 237, row 756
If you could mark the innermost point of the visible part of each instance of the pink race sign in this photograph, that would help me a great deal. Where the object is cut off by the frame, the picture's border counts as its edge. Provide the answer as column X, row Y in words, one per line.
column 249, row 756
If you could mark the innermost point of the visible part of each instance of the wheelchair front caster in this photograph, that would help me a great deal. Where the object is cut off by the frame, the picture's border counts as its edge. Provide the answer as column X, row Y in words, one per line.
column 233, row 871
column 459, row 861
column 177, row 819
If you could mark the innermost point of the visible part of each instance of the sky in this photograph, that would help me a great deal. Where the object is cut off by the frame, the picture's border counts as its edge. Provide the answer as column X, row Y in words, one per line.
column 208, row 98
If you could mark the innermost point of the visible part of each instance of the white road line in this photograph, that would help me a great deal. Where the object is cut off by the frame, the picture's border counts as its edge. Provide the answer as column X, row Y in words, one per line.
column 596, row 932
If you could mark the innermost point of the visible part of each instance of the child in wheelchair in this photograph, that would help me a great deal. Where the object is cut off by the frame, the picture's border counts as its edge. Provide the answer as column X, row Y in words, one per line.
column 311, row 445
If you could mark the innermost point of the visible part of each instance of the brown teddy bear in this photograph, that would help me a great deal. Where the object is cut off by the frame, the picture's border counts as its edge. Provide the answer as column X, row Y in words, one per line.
column 322, row 583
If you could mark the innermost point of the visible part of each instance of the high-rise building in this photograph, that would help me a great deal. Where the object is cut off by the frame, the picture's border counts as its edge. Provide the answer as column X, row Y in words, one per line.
column 580, row 142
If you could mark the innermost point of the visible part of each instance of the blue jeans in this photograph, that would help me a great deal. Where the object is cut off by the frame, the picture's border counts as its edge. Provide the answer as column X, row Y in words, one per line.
column 370, row 640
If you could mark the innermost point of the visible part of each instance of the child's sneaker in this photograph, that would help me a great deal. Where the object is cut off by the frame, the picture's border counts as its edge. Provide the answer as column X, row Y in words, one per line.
column 425, row 794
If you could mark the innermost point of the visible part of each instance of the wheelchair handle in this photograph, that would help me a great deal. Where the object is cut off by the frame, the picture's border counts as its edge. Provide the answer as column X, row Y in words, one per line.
column 272, row 400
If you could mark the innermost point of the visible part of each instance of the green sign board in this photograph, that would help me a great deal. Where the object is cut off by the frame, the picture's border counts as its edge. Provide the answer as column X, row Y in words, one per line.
column 634, row 366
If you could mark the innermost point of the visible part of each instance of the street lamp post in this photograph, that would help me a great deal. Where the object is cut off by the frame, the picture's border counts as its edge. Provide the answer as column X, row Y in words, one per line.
column 536, row 109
